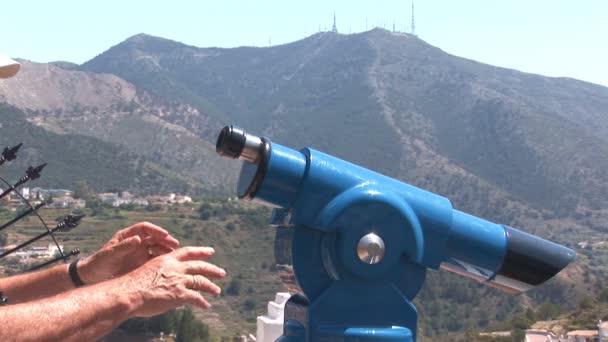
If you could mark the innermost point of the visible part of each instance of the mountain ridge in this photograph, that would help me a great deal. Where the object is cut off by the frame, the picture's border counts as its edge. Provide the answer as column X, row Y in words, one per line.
column 407, row 72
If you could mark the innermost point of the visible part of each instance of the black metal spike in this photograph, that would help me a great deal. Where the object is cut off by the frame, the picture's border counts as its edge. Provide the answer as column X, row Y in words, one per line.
column 65, row 257
column 3, row 300
column 68, row 223
column 31, row 173
column 10, row 153
column 34, row 172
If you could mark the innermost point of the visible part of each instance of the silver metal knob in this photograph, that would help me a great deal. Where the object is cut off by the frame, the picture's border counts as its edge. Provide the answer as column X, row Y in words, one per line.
column 370, row 249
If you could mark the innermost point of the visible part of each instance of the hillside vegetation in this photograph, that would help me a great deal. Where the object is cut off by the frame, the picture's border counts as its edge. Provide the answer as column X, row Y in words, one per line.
column 72, row 157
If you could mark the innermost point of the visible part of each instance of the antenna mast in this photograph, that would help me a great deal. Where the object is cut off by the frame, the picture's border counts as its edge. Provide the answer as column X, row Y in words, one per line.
column 335, row 28
column 413, row 22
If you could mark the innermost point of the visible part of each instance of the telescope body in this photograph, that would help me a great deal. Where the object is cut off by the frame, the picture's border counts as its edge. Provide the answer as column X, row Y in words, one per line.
column 363, row 241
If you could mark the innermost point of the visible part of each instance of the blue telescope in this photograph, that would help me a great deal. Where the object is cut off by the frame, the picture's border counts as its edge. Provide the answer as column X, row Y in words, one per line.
column 363, row 241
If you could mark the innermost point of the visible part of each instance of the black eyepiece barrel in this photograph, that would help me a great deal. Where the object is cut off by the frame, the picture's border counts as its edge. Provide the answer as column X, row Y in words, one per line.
column 230, row 142
column 235, row 143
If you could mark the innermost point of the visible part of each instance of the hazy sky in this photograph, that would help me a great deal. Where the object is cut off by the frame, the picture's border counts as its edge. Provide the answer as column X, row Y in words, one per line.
column 550, row 37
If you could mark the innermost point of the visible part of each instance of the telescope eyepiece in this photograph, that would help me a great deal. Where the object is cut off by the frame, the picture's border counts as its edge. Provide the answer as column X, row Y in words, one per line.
column 230, row 142
column 235, row 143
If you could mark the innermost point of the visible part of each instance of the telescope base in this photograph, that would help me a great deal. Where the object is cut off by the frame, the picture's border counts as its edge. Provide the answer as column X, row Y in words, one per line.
column 297, row 328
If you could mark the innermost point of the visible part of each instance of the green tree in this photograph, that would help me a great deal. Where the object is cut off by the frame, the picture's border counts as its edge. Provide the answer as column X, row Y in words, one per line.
column 234, row 287
column 521, row 322
column 547, row 311
column 603, row 297
column 249, row 304
column 205, row 214
column 518, row 335
column 83, row 190
column 585, row 303
column 93, row 204
column 190, row 329
column 168, row 322
column 205, row 211
column 531, row 315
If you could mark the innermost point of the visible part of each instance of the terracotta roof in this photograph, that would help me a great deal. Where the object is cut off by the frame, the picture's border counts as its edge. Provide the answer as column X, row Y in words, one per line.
column 583, row 333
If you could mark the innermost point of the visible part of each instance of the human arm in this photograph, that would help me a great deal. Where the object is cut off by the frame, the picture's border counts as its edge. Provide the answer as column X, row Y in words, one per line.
column 87, row 313
column 128, row 249
column 35, row 285
column 81, row 315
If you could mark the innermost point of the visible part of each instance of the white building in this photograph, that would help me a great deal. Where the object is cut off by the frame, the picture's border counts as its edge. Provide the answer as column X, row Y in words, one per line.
column 539, row 335
column 68, row 202
column 270, row 326
column 140, row 201
column 25, row 192
column 108, row 196
column 35, row 252
column 603, row 331
column 182, row 199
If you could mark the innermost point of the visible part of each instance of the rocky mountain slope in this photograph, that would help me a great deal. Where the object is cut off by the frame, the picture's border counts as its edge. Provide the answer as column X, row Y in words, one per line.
column 113, row 110
column 72, row 158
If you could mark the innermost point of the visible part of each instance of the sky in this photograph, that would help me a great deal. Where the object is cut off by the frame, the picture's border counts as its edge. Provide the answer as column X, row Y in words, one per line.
column 549, row 37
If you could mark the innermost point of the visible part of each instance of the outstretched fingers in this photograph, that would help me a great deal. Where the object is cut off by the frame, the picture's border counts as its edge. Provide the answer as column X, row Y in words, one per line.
column 195, row 298
column 147, row 229
column 167, row 241
column 197, row 267
column 201, row 284
column 194, row 253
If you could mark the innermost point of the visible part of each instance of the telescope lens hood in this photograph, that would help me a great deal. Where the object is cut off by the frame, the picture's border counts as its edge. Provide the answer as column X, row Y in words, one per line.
column 252, row 175
column 530, row 261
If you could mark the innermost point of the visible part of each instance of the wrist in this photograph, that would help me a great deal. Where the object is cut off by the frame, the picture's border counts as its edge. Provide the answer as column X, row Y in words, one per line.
column 119, row 301
column 84, row 271
column 129, row 297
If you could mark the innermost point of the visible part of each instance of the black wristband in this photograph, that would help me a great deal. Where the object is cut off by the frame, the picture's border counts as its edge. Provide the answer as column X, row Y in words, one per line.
column 74, row 273
column 3, row 300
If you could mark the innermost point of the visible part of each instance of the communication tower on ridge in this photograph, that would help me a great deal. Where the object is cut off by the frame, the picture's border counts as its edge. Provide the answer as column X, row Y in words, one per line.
column 413, row 22
column 334, row 29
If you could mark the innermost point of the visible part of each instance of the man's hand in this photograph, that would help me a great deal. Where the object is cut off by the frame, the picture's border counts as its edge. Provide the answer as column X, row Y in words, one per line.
column 88, row 313
column 127, row 250
column 170, row 281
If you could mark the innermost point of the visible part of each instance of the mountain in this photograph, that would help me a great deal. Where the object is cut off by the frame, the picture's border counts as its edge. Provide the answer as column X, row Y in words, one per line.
column 394, row 103
column 113, row 110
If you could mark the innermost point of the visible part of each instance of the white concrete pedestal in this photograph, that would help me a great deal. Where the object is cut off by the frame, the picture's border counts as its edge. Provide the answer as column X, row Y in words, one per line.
column 270, row 326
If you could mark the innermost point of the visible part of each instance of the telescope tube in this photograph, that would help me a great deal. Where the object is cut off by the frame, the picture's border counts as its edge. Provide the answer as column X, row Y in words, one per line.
column 494, row 254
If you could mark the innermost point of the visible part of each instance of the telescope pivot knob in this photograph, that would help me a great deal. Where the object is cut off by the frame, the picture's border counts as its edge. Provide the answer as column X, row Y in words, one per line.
column 370, row 249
